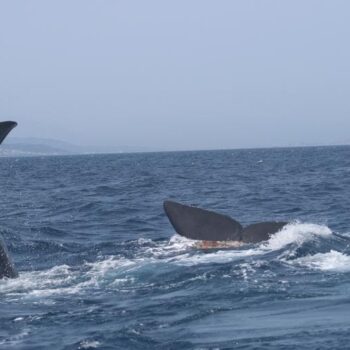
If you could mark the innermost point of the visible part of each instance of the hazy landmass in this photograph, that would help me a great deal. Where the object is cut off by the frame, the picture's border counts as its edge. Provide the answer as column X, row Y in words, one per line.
column 27, row 147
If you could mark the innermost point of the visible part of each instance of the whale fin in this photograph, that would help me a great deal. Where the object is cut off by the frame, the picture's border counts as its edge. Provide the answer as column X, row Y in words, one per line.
column 261, row 231
column 7, row 269
column 200, row 224
column 5, row 128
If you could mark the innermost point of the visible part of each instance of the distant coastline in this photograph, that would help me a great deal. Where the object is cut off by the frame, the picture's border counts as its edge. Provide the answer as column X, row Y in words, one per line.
column 31, row 147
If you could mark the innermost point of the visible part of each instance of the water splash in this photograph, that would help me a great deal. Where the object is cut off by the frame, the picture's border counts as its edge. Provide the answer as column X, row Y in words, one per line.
column 331, row 261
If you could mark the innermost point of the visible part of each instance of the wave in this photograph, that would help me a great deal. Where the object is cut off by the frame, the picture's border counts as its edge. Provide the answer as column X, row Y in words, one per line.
column 331, row 261
column 155, row 259
column 295, row 234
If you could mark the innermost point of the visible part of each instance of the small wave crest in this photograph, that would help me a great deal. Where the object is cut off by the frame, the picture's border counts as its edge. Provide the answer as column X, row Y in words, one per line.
column 63, row 279
column 296, row 233
column 332, row 261
column 89, row 344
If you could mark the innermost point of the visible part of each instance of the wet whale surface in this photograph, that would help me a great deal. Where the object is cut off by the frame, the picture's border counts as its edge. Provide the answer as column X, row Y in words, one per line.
column 212, row 227
column 7, row 268
column 100, row 266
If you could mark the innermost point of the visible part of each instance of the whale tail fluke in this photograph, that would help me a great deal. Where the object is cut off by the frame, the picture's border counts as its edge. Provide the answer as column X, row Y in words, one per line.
column 7, row 268
column 201, row 224
column 205, row 225
column 5, row 128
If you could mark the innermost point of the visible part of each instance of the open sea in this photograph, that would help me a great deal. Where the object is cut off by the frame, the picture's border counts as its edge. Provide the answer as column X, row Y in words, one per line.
column 102, row 268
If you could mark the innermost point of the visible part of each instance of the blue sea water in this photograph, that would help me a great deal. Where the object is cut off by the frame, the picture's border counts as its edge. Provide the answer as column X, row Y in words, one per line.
column 101, row 267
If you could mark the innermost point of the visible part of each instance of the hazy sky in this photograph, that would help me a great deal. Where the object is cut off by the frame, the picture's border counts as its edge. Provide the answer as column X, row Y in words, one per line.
column 181, row 74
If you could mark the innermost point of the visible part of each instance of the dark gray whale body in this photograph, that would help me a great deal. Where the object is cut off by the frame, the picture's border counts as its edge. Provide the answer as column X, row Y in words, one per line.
column 5, row 128
column 200, row 224
column 7, row 269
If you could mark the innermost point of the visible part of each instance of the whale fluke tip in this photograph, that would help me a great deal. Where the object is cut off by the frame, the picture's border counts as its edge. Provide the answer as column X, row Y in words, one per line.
column 201, row 224
column 5, row 128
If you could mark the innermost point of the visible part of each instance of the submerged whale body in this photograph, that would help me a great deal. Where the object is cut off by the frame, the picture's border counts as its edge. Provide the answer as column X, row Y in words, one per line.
column 7, row 268
column 204, row 225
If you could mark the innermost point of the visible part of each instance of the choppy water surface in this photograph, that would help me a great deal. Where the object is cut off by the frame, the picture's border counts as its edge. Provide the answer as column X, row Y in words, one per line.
column 100, row 266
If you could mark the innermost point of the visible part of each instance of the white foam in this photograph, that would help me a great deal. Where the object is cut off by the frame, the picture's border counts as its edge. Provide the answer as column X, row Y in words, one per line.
column 65, row 280
column 120, row 273
column 37, row 281
column 296, row 233
column 176, row 245
column 219, row 256
column 89, row 344
column 331, row 261
column 110, row 263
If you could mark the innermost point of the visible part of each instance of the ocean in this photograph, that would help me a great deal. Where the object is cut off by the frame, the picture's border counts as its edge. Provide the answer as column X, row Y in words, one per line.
column 102, row 268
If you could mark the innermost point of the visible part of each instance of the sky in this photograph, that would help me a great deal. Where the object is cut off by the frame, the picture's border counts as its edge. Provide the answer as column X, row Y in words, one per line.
column 177, row 75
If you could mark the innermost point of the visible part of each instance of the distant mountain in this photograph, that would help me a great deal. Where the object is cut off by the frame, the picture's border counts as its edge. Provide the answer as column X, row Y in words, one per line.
column 37, row 147
column 29, row 146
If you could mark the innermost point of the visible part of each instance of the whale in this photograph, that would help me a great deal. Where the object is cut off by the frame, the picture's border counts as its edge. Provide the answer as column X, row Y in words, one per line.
column 212, row 227
column 7, row 267
column 5, row 128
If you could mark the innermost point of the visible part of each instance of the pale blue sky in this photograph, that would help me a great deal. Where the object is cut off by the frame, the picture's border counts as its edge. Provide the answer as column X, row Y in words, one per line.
column 184, row 74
